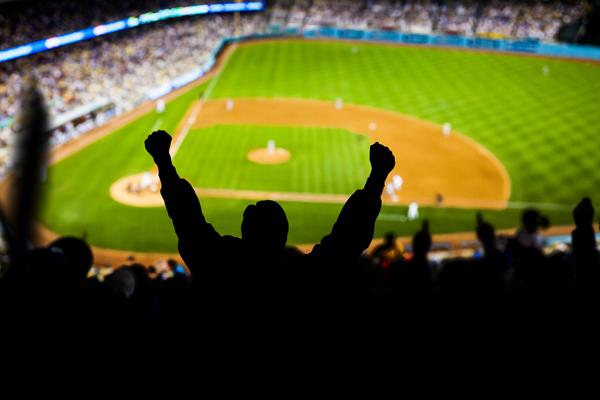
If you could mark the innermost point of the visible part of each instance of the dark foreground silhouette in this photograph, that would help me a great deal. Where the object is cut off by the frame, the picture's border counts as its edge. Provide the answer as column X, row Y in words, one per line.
column 259, row 266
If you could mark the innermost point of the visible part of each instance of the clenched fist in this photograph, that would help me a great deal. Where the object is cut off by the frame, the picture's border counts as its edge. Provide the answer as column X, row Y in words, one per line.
column 157, row 145
column 382, row 159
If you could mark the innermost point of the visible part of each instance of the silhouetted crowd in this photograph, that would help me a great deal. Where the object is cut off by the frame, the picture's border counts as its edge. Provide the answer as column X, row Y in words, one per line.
column 54, row 284
column 258, row 278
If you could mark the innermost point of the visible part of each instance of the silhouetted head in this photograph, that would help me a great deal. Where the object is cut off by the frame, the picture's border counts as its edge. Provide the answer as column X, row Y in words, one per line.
column 583, row 214
column 172, row 264
column 532, row 220
column 265, row 225
column 78, row 258
column 390, row 238
column 121, row 282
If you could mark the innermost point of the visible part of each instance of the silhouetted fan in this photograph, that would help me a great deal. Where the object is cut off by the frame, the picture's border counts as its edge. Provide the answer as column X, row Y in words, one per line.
column 259, row 264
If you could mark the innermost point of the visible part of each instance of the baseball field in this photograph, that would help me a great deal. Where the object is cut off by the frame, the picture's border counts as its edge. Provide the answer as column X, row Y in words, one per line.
column 525, row 132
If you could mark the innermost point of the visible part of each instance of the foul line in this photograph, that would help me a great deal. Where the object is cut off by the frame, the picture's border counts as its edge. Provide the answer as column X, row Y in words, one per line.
column 333, row 198
column 192, row 119
column 156, row 125
column 281, row 196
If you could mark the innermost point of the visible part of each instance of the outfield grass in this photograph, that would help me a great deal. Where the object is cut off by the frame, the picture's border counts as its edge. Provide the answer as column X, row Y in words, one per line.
column 544, row 129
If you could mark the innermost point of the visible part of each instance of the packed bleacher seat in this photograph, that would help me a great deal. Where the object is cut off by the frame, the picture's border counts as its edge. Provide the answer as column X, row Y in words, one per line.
column 497, row 18
column 22, row 23
column 120, row 69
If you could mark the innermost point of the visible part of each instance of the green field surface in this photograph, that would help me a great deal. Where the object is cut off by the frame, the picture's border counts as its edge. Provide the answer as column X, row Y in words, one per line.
column 323, row 160
column 544, row 128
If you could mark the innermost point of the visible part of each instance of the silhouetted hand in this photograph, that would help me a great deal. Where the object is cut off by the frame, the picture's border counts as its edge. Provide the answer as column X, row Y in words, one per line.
column 157, row 145
column 583, row 214
column 382, row 159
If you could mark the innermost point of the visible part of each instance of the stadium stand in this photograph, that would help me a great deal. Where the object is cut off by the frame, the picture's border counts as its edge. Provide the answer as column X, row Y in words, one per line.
column 22, row 23
column 115, row 73
column 496, row 18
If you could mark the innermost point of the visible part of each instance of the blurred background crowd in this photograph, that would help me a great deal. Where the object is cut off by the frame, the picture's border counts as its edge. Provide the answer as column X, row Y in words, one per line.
column 116, row 71
column 495, row 18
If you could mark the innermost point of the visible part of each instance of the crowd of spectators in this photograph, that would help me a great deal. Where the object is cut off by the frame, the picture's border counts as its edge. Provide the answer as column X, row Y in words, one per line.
column 62, row 281
column 121, row 68
column 495, row 18
column 24, row 22
column 36, row 20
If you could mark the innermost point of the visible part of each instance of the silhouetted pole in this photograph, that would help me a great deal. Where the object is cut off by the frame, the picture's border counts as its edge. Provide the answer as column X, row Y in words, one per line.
column 30, row 164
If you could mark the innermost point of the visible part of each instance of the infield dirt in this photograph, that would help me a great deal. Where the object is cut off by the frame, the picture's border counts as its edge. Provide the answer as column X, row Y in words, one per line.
column 430, row 163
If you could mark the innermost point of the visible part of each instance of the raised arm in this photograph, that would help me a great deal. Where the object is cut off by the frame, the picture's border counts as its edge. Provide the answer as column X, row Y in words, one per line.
column 195, row 235
column 353, row 231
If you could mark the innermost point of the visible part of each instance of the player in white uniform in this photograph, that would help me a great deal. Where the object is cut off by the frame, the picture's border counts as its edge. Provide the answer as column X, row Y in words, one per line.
column 160, row 106
column 447, row 129
column 398, row 182
column 389, row 188
column 146, row 181
column 545, row 70
column 229, row 104
column 413, row 211
column 271, row 147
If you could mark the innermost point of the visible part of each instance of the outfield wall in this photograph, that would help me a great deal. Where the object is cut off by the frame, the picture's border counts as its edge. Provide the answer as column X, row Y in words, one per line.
column 531, row 46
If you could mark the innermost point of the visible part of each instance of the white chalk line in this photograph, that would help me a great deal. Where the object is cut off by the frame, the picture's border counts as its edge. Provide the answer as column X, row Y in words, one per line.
column 514, row 205
column 192, row 119
column 156, row 125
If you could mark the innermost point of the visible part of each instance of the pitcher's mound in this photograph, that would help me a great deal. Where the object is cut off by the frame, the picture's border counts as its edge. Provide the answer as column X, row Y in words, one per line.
column 263, row 156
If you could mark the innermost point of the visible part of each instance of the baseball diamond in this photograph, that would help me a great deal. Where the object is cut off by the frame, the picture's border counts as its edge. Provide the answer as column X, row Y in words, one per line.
column 324, row 102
